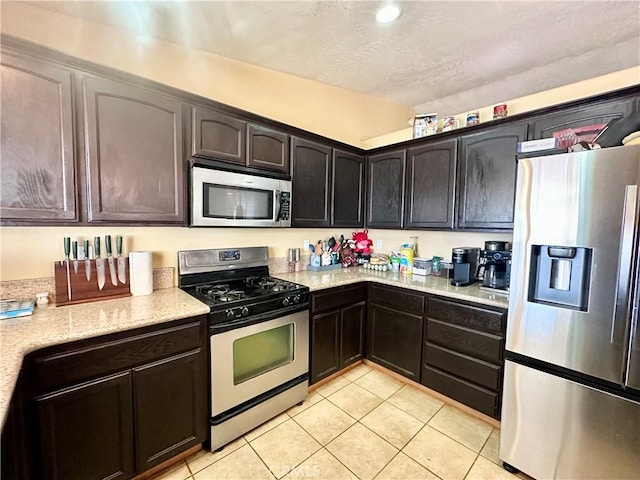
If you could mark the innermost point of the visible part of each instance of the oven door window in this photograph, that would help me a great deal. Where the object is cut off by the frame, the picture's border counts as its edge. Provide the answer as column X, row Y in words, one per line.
column 262, row 352
column 224, row 201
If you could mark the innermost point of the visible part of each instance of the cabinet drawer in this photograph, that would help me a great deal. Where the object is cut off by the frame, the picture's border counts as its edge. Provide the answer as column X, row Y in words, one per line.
column 472, row 369
column 400, row 298
column 473, row 317
column 338, row 297
column 476, row 397
column 464, row 340
column 83, row 363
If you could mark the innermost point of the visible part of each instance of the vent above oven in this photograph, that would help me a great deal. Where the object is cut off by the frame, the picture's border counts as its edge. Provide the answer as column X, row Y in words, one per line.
column 221, row 259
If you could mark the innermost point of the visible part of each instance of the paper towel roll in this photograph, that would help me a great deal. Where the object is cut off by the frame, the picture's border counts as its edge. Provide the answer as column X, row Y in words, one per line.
column 141, row 273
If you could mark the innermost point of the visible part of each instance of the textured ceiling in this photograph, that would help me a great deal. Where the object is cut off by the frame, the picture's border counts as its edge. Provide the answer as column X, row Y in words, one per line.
column 443, row 56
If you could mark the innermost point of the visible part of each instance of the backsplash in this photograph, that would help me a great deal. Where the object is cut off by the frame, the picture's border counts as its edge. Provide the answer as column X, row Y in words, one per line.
column 281, row 264
column 24, row 289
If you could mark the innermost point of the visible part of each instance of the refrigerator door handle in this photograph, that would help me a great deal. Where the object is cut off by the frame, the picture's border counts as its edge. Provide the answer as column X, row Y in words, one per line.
column 626, row 259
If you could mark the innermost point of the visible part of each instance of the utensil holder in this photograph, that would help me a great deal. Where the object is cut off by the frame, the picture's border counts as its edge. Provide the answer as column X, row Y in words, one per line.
column 83, row 291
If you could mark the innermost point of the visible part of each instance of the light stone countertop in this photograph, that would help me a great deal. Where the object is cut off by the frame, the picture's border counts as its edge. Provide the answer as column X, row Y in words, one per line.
column 428, row 284
column 53, row 325
column 56, row 325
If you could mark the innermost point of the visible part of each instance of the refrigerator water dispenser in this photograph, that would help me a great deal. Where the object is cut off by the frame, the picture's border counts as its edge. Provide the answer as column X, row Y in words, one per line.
column 560, row 276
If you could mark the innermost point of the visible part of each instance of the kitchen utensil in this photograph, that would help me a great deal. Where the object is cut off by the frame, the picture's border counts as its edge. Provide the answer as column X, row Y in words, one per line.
column 74, row 249
column 122, row 262
column 67, row 250
column 99, row 262
column 331, row 242
column 87, row 262
column 112, row 263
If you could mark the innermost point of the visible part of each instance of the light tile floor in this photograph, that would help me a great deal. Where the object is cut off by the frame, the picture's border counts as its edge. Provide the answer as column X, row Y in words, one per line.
column 362, row 425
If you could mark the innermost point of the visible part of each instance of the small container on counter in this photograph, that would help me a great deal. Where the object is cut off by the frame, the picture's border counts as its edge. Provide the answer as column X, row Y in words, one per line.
column 421, row 266
column 406, row 260
column 296, row 259
column 436, row 266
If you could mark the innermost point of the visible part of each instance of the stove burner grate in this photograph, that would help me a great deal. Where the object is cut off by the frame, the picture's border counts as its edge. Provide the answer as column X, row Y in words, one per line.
column 229, row 296
column 269, row 284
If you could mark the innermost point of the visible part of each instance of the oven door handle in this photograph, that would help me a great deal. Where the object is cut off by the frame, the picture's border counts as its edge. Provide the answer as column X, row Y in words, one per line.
column 245, row 322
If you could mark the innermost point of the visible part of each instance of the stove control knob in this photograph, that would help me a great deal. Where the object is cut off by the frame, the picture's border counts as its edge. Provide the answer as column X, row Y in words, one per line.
column 285, row 302
column 296, row 299
column 245, row 311
column 230, row 315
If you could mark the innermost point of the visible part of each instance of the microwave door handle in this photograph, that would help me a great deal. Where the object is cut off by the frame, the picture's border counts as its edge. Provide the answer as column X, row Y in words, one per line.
column 278, row 206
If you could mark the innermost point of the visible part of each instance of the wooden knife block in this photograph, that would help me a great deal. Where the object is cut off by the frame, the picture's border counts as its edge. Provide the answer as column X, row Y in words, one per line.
column 83, row 291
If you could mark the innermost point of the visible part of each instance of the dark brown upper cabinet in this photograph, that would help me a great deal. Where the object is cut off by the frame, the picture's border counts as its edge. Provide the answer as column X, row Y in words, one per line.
column 347, row 190
column 545, row 126
column 431, row 180
column 311, row 192
column 38, row 167
column 134, row 165
column 217, row 136
column 487, row 177
column 328, row 186
column 385, row 192
column 267, row 149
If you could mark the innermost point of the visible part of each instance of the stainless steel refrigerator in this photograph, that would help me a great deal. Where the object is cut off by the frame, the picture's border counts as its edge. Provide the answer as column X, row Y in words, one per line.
column 571, row 399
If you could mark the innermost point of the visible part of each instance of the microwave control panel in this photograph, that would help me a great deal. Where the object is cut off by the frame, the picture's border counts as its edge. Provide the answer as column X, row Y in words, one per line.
column 285, row 205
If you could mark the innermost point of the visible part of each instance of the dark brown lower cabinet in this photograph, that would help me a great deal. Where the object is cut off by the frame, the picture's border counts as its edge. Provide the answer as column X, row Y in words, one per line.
column 337, row 329
column 86, row 431
column 168, row 409
column 325, row 345
column 109, row 407
column 393, row 340
column 464, row 353
column 395, row 320
column 352, row 321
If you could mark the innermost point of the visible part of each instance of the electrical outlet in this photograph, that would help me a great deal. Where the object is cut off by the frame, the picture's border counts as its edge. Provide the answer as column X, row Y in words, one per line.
column 378, row 244
column 306, row 245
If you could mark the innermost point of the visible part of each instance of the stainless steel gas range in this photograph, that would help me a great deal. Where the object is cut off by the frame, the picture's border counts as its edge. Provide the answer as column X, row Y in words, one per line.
column 258, row 336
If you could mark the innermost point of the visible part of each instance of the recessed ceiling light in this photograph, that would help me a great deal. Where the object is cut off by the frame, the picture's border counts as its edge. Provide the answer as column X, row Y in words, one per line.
column 388, row 14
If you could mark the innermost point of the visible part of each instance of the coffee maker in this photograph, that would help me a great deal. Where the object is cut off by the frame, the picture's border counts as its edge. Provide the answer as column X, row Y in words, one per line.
column 465, row 261
column 494, row 269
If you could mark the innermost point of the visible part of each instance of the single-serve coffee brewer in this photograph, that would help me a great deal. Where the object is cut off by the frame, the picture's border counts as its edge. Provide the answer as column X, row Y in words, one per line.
column 465, row 261
column 494, row 269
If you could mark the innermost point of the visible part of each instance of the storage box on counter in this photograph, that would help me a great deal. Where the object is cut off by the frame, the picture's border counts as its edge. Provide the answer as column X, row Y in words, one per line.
column 421, row 266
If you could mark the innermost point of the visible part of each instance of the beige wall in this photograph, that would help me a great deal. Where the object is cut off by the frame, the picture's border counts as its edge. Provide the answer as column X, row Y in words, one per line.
column 330, row 111
column 29, row 252
column 566, row 93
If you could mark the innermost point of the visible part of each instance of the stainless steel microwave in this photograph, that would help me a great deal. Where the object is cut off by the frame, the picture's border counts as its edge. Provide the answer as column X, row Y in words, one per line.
column 229, row 199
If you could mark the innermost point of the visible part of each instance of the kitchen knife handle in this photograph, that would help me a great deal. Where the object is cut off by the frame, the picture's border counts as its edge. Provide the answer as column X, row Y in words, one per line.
column 74, row 249
column 107, row 244
column 67, row 247
column 86, row 249
column 119, row 245
column 96, row 247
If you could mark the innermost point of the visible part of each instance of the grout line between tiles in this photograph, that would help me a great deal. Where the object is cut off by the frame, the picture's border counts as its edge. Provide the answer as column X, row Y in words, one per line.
column 323, row 447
